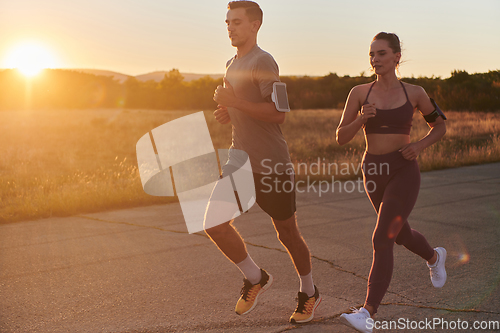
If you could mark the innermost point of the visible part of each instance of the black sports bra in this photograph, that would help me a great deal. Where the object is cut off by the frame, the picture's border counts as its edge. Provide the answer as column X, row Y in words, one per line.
column 390, row 121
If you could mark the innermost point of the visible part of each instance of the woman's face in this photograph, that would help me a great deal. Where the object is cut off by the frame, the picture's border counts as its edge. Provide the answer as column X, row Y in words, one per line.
column 382, row 59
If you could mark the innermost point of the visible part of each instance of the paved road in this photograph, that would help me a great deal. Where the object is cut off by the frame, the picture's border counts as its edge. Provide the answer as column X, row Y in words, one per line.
column 137, row 270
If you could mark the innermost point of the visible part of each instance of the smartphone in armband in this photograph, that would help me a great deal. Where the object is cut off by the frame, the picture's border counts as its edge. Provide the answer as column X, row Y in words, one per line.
column 280, row 97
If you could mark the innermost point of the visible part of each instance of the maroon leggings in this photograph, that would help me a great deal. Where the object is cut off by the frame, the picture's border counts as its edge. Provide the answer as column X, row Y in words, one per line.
column 392, row 184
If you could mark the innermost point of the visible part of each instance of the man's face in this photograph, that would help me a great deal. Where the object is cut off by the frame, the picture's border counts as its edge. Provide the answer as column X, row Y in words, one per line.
column 239, row 27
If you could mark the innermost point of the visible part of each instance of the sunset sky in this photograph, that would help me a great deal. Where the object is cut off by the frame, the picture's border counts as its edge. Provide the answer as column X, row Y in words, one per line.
column 305, row 37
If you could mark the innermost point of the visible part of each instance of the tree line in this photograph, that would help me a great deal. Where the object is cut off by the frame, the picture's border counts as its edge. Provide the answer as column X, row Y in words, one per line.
column 57, row 88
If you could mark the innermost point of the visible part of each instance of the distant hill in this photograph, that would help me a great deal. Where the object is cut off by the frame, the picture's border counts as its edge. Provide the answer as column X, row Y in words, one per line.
column 156, row 76
column 118, row 76
column 159, row 75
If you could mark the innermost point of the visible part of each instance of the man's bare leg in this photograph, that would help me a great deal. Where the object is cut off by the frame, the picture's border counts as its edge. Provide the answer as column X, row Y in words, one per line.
column 256, row 281
column 230, row 242
column 289, row 235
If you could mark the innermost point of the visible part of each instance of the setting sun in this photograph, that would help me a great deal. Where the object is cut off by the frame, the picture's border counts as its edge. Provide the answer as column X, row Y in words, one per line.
column 30, row 58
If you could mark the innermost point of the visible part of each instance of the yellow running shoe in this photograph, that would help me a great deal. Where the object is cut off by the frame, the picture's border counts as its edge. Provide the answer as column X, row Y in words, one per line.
column 250, row 292
column 306, row 307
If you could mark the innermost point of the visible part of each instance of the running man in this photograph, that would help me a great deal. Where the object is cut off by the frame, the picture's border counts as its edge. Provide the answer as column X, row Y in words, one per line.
column 245, row 102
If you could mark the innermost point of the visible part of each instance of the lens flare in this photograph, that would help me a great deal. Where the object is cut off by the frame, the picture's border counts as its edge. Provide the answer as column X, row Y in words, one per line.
column 98, row 94
column 463, row 258
column 395, row 227
column 458, row 255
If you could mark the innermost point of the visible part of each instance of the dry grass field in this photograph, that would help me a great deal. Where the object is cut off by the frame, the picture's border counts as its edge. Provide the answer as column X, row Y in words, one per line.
column 59, row 163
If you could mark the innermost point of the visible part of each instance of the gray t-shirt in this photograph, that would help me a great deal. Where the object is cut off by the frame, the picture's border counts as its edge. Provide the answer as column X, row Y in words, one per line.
column 252, row 77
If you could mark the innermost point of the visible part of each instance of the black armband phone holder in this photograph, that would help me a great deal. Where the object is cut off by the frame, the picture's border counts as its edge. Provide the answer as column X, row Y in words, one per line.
column 280, row 97
column 434, row 115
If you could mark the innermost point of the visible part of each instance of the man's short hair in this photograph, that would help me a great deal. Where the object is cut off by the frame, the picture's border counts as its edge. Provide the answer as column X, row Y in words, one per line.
column 252, row 9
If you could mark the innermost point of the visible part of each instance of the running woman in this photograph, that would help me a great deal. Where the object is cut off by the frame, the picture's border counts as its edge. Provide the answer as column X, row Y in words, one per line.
column 384, row 109
column 245, row 102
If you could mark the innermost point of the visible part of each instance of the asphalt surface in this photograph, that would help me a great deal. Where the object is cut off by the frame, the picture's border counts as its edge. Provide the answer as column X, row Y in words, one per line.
column 137, row 270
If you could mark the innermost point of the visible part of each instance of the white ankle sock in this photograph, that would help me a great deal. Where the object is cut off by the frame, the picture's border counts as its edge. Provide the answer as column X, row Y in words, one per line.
column 250, row 270
column 306, row 284
column 437, row 260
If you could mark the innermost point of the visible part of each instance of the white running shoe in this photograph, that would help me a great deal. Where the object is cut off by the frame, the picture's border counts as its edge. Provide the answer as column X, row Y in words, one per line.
column 357, row 320
column 438, row 271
